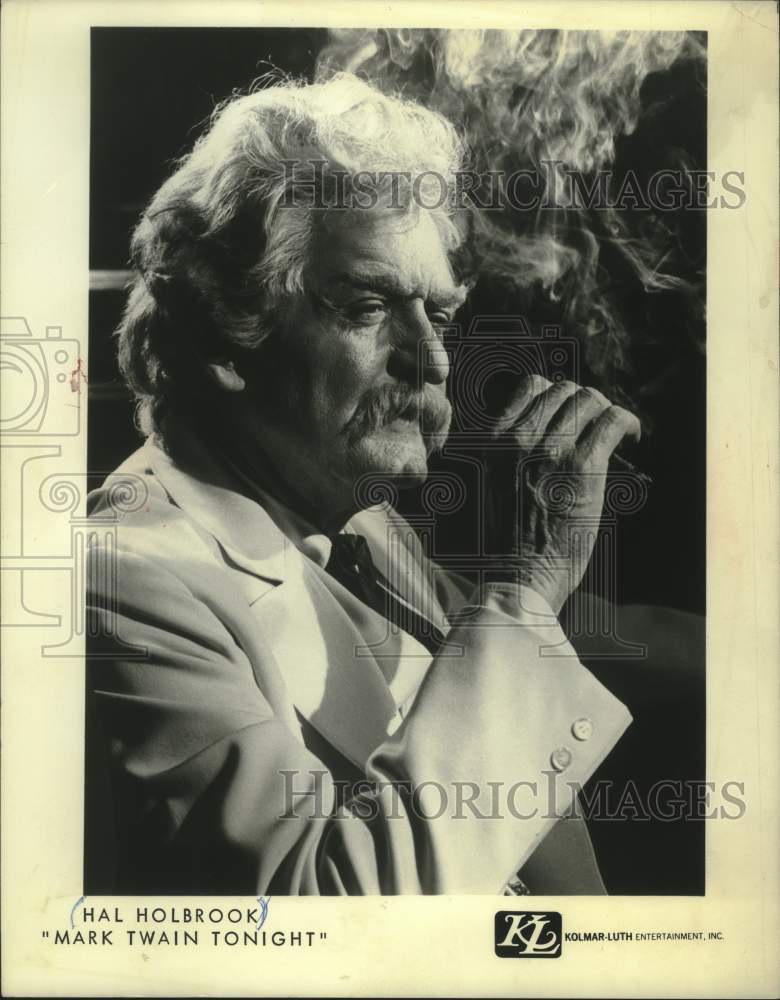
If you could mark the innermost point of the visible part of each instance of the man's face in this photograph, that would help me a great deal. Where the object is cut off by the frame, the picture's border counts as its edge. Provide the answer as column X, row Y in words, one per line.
column 357, row 379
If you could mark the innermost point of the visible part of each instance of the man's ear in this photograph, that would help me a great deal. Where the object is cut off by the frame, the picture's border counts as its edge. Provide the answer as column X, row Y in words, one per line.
column 225, row 375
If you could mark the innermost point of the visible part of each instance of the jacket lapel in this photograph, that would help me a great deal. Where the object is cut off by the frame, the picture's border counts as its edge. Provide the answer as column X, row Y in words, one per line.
column 346, row 670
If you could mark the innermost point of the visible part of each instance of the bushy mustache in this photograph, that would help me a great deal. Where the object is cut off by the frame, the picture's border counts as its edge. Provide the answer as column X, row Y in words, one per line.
column 393, row 401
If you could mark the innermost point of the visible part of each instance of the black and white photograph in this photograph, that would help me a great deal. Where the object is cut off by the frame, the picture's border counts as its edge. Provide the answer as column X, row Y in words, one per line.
column 389, row 498
column 398, row 349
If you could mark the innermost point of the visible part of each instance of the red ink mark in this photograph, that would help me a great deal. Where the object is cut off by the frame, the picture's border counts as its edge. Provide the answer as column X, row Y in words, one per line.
column 75, row 383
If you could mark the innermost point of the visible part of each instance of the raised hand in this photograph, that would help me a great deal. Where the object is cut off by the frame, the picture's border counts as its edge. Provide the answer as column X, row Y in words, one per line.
column 550, row 476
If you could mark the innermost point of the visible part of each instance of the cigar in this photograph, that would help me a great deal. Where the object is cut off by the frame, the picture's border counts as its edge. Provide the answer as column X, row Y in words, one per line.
column 624, row 465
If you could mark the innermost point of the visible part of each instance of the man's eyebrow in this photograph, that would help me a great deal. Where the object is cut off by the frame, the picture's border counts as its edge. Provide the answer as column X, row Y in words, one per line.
column 388, row 284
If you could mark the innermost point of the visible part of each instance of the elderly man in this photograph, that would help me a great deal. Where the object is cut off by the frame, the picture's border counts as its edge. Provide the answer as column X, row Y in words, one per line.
column 292, row 697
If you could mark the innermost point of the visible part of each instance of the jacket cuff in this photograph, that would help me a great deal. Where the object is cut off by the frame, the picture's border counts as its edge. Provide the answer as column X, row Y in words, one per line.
column 515, row 711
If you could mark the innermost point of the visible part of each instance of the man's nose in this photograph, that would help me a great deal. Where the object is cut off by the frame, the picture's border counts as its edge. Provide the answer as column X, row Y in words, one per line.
column 435, row 362
column 421, row 353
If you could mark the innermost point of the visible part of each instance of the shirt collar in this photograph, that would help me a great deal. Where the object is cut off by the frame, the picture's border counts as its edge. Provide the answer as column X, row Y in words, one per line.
column 262, row 536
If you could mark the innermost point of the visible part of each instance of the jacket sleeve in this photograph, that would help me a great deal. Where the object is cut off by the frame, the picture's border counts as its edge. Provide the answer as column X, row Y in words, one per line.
column 215, row 792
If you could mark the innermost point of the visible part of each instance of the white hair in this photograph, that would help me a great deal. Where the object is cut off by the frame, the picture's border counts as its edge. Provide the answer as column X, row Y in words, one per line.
column 226, row 235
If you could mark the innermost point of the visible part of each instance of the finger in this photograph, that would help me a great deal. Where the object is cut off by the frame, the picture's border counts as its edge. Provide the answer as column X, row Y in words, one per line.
column 526, row 391
column 573, row 417
column 532, row 425
column 606, row 432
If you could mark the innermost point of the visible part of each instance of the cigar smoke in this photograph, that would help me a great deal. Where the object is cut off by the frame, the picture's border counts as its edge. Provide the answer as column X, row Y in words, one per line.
column 549, row 102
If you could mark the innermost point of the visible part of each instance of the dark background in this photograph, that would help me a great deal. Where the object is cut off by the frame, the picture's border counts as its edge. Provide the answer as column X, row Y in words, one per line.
column 153, row 90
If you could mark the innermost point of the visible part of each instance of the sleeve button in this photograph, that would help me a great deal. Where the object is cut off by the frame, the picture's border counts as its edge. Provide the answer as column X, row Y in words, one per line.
column 582, row 729
column 561, row 758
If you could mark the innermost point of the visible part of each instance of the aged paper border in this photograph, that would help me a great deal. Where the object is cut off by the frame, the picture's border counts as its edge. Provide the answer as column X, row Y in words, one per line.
column 385, row 946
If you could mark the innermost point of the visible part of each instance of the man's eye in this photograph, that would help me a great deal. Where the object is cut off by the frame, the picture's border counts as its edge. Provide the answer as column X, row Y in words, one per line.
column 440, row 317
column 366, row 312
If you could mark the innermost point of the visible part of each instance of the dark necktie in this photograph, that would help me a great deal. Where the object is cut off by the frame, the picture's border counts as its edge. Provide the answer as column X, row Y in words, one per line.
column 351, row 564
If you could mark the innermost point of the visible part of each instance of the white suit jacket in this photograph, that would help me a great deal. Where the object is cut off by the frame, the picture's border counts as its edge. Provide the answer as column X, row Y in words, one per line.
column 242, row 694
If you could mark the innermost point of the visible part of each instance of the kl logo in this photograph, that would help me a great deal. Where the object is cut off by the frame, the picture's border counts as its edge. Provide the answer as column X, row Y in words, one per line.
column 528, row 935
